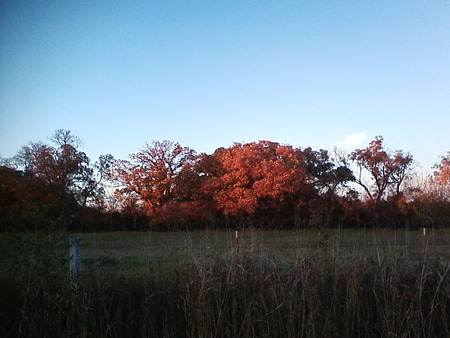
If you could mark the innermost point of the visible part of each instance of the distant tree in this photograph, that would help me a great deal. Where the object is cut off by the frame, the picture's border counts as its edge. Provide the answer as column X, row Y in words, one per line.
column 62, row 166
column 386, row 170
column 430, row 197
column 438, row 184
column 329, row 177
column 442, row 173
column 151, row 174
column 65, row 171
column 27, row 202
column 325, row 175
column 254, row 177
column 91, row 185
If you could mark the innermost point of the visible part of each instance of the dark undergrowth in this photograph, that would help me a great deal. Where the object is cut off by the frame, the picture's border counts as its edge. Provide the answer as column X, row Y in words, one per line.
column 234, row 297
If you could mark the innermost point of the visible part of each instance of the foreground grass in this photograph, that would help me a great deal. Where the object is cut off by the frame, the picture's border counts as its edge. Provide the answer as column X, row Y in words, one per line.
column 290, row 284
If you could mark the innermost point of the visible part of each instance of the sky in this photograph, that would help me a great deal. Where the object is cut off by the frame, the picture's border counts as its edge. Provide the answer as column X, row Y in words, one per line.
column 206, row 74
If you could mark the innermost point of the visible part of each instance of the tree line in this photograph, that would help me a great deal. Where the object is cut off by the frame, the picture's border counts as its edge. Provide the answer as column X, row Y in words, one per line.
column 263, row 184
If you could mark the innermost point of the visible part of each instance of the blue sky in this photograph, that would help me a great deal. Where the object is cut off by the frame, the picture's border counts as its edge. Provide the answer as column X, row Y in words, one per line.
column 209, row 73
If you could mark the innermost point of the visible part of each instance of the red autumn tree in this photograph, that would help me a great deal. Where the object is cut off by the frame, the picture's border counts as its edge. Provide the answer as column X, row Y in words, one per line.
column 249, row 177
column 442, row 173
column 438, row 186
column 151, row 174
column 430, row 198
column 386, row 170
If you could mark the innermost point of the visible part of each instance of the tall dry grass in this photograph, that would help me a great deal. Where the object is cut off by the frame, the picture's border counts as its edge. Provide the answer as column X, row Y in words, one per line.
column 237, row 297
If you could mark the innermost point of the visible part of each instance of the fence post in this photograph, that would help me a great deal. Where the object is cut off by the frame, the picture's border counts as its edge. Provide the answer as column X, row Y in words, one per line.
column 424, row 244
column 75, row 257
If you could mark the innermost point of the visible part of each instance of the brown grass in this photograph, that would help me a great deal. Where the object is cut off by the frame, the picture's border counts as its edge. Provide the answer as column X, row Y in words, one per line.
column 326, row 289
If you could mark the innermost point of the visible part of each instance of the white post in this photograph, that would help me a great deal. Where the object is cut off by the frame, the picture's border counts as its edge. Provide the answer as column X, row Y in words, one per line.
column 75, row 257
column 424, row 243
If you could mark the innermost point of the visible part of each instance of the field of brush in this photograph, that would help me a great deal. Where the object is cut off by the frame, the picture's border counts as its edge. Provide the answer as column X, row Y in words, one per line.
column 308, row 283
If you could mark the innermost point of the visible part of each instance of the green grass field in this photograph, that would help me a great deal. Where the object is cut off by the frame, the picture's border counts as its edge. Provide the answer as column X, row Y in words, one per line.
column 129, row 253
column 307, row 283
column 132, row 252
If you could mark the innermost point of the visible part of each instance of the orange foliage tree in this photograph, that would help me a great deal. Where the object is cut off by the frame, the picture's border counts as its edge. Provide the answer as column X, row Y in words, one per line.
column 152, row 173
column 247, row 178
column 430, row 198
column 442, row 174
column 439, row 186
column 386, row 170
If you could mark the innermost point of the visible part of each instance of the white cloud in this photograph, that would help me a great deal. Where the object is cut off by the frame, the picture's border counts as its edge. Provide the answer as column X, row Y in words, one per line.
column 351, row 140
